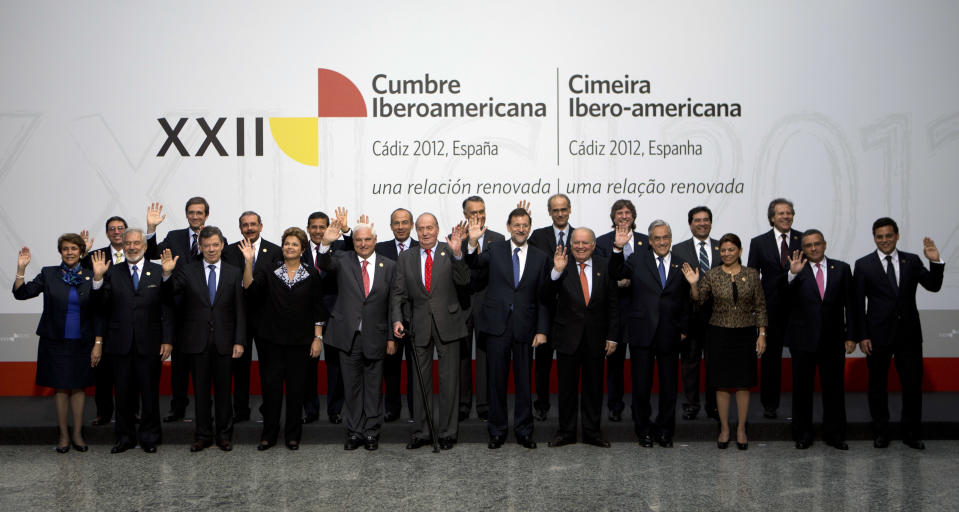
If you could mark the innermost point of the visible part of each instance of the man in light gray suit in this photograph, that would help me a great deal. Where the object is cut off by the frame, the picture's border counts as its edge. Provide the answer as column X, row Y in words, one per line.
column 474, row 209
column 359, row 328
column 429, row 283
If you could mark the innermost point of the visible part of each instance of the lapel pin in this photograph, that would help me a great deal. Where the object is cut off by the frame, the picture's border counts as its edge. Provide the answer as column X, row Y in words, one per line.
column 639, row 242
column 264, row 250
column 148, row 272
column 381, row 265
column 87, row 278
column 743, row 278
column 832, row 267
column 674, row 265
column 716, row 248
column 598, row 274
column 442, row 254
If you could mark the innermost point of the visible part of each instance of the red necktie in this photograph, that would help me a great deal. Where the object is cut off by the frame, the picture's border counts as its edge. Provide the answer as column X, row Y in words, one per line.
column 366, row 280
column 583, row 282
column 315, row 257
column 428, row 277
column 784, row 252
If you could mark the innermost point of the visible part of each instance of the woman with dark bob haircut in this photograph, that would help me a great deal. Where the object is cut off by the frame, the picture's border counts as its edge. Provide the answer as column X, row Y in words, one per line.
column 66, row 352
column 289, row 331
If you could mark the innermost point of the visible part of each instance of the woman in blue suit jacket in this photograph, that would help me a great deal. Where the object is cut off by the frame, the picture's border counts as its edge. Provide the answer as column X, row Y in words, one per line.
column 66, row 351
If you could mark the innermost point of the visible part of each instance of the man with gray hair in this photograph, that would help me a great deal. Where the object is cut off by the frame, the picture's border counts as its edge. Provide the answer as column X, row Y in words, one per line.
column 426, row 295
column 657, row 325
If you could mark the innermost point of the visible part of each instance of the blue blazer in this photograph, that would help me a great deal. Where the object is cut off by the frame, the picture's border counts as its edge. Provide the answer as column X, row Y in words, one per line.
column 56, row 294
column 518, row 309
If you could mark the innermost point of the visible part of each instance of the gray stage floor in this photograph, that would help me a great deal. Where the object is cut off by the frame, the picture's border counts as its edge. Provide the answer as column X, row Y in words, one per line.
column 690, row 476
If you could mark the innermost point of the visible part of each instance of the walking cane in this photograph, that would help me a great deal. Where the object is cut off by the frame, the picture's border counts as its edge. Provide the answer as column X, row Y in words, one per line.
column 427, row 404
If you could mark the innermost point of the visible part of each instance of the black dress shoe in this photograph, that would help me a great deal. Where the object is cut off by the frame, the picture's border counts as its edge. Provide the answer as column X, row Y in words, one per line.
column 540, row 414
column 149, row 448
column 417, row 442
column 121, row 447
column 839, row 445
column 293, row 445
column 915, row 444
column 690, row 414
column 224, row 445
column 265, row 445
column 596, row 441
column 390, row 416
column 880, row 442
column 82, row 447
column 722, row 445
column 664, row 441
column 446, row 443
column 496, row 442
column 353, row 441
column 310, row 418
column 99, row 421
column 371, row 442
column 526, row 442
column 742, row 446
column 646, row 441
column 200, row 446
column 63, row 449
column 173, row 416
column 336, row 419
column 770, row 414
column 615, row 415
column 558, row 441
column 803, row 444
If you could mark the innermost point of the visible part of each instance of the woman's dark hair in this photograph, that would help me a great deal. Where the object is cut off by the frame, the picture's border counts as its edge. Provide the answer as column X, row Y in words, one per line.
column 297, row 233
column 74, row 239
column 733, row 239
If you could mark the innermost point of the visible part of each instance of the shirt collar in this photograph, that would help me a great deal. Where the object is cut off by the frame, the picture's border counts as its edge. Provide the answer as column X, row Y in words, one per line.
column 882, row 255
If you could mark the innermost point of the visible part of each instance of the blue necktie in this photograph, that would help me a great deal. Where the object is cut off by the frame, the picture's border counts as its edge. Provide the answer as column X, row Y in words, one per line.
column 515, row 267
column 703, row 258
column 560, row 242
column 211, row 282
column 662, row 272
column 136, row 279
column 194, row 248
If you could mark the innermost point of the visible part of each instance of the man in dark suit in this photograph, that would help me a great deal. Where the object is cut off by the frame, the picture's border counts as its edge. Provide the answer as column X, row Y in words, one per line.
column 514, row 319
column 211, row 331
column 622, row 214
column 316, row 225
column 818, row 334
column 183, row 243
column 105, row 381
column 360, row 328
column 585, row 329
column 703, row 250
column 769, row 254
column 658, row 322
column 888, row 326
column 267, row 256
column 474, row 208
column 401, row 223
column 426, row 295
column 546, row 239
column 136, row 327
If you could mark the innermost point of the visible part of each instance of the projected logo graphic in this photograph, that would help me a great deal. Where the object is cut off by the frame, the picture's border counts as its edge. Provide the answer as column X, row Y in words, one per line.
column 298, row 137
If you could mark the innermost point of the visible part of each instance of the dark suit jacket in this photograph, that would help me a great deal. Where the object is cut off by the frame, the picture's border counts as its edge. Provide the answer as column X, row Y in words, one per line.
column 353, row 306
column 688, row 250
column 890, row 316
column 544, row 239
column 506, row 307
column 814, row 321
column 269, row 257
column 764, row 256
column 441, row 304
column 479, row 277
column 131, row 317
column 87, row 261
column 178, row 241
column 658, row 315
column 604, row 243
column 388, row 248
column 223, row 322
column 575, row 321
column 287, row 315
column 329, row 281
column 56, row 294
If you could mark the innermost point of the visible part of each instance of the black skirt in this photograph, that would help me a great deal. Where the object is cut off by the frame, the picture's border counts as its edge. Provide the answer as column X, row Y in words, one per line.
column 731, row 357
column 64, row 364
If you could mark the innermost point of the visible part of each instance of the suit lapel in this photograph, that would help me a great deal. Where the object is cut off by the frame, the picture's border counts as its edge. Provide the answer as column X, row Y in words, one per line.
column 417, row 263
column 774, row 249
column 354, row 265
column 573, row 286
column 221, row 282
column 671, row 271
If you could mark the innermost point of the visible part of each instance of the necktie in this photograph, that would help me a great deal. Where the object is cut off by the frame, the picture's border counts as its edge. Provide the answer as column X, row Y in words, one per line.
column 628, row 249
column 891, row 274
column 428, row 274
column 118, row 257
column 584, row 282
column 560, row 242
column 784, row 252
column 366, row 280
column 211, row 282
column 316, row 255
column 820, row 281
column 136, row 279
column 662, row 272
column 194, row 249
column 402, row 247
column 703, row 258
column 515, row 267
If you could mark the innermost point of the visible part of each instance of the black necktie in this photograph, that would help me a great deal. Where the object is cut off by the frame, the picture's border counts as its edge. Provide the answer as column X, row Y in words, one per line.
column 891, row 274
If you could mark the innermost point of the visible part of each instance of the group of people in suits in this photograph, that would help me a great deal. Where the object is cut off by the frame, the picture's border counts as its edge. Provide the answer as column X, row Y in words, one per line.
column 516, row 300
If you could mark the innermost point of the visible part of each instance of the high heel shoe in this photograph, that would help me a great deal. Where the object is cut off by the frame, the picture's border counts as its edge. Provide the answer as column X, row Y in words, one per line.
column 722, row 445
column 744, row 446
column 79, row 447
column 63, row 449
